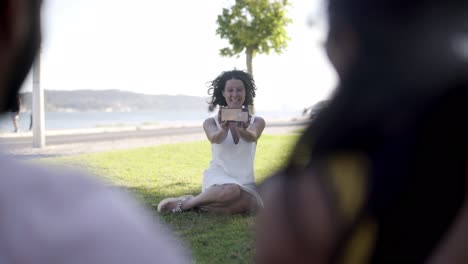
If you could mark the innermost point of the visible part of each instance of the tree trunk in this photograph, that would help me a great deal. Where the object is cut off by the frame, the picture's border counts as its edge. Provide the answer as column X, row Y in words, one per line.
column 249, row 56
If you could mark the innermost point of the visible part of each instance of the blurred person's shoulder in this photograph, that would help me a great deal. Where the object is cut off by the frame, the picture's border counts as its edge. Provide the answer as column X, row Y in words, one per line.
column 65, row 216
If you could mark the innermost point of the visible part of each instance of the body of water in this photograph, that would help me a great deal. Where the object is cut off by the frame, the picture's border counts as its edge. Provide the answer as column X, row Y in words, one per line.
column 82, row 120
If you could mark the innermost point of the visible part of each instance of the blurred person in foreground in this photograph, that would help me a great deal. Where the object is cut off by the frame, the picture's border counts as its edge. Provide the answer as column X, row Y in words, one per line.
column 381, row 175
column 63, row 217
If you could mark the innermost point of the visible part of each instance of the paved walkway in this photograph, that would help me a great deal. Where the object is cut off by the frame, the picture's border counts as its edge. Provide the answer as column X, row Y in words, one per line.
column 93, row 147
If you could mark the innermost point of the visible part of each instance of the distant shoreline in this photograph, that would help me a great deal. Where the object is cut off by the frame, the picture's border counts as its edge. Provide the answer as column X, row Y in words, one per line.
column 123, row 120
column 110, row 129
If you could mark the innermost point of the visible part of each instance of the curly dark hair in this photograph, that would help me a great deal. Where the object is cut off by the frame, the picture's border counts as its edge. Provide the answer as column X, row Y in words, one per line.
column 216, row 87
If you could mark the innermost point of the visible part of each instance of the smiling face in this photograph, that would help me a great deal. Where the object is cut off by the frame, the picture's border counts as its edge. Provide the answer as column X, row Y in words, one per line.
column 234, row 93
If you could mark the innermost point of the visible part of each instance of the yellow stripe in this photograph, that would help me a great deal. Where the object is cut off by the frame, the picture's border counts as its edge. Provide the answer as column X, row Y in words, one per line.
column 347, row 173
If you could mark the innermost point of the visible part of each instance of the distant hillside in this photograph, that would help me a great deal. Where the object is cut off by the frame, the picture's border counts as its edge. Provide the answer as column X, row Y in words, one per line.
column 114, row 100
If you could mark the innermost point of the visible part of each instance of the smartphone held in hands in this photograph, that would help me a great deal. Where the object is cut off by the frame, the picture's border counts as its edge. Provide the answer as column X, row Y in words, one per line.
column 237, row 115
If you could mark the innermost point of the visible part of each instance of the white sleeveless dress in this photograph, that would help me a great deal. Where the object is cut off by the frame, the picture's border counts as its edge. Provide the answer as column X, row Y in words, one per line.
column 232, row 164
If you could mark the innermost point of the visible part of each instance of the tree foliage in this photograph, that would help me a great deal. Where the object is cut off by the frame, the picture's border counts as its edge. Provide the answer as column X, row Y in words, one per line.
column 254, row 26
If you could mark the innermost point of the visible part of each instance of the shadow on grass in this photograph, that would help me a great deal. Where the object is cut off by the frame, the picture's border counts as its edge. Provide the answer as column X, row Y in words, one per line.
column 151, row 196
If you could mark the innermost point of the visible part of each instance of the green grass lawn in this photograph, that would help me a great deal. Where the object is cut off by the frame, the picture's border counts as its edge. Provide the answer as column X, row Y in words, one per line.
column 154, row 173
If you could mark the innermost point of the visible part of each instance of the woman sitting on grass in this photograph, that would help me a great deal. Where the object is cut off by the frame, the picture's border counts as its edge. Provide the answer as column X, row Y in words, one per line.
column 228, row 183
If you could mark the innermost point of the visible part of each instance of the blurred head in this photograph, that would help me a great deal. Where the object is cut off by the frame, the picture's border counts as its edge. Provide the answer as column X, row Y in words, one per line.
column 341, row 47
column 233, row 89
column 396, row 124
column 416, row 33
column 20, row 38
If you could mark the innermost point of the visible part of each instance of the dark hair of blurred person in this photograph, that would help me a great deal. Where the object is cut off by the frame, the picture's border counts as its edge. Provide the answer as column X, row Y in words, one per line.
column 381, row 175
column 56, row 217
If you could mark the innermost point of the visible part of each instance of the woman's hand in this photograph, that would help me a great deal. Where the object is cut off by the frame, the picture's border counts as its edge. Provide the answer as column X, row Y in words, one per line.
column 251, row 132
column 224, row 124
column 244, row 124
column 245, row 132
column 213, row 133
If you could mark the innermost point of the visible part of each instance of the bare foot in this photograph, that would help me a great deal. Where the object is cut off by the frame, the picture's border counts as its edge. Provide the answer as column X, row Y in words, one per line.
column 173, row 204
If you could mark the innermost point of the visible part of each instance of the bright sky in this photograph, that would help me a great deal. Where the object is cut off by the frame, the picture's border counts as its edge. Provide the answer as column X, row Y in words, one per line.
column 170, row 47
